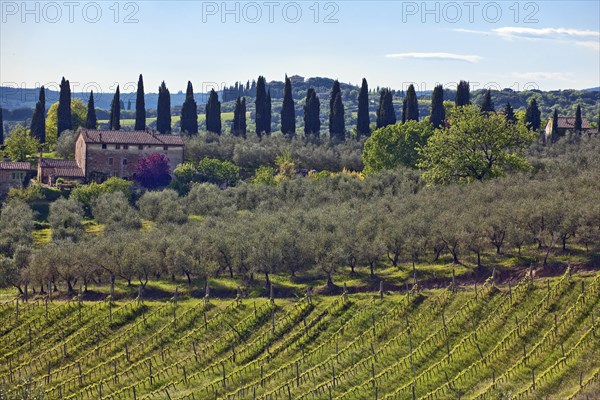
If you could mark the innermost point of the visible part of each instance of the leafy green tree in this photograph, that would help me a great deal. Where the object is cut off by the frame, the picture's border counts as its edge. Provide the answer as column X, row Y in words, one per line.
column 219, row 172
column 189, row 112
column 385, row 113
column 509, row 114
column 474, row 147
column 88, row 194
column 16, row 226
column 412, row 105
column 264, row 175
column 337, row 128
column 463, row 95
column 438, row 113
column 91, row 120
column 533, row 116
column 578, row 122
column 140, row 106
column 213, row 113
column 115, row 213
column 487, row 106
column 163, row 109
column 66, row 219
column 64, row 121
column 38, row 120
column 363, row 121
column 239, row 118
column 65, row 146
column 288, row 112
column 78, row 119
column 312, row 113
column 20, row 145
column 395, row 145
column 162, row 206
column 114, row 118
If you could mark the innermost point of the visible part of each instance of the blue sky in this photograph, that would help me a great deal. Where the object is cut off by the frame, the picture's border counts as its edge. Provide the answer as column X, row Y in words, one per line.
column 544, row 44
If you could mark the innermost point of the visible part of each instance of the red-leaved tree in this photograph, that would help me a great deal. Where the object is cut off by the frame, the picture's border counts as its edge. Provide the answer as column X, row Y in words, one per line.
column 153, row 170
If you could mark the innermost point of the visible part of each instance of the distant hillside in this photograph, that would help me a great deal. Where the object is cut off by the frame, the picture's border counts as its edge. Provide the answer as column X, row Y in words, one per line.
column 16, row 98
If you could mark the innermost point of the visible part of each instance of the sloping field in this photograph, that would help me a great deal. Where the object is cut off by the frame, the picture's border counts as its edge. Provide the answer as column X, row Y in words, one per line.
column 534, row 339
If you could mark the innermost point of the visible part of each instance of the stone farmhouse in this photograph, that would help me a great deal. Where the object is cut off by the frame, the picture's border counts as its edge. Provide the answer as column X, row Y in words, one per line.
column 566, row 124
column 102, row 154
column 14, row 174
column 99, row 155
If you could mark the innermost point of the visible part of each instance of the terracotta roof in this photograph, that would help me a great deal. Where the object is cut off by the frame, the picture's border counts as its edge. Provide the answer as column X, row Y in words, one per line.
column 130, row 137
column 68, row 172
column 64, row 168
column 569, row 123
column 53, row 163
column 16, row 166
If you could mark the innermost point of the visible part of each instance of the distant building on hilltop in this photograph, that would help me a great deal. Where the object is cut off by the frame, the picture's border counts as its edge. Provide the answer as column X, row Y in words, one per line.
column 566, row 124
column 100, row 155
column 296, row 79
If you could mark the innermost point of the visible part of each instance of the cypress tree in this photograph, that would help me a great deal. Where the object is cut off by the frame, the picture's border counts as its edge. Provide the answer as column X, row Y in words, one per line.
column 404, row 109
column 337, row 128
column 114, row 118
column 363, row 122
column 261, row 105
column 163, row 109
column 268, row 113
column 438, row 113
column 38, row 121
column 213, row 113
column 140, row 106
column 578, row 121
column 385, row 113
column 335, row 90
column 554, row 137
column 312, row 114
column 91, row 120
column 129, row 105
column 533, row 116
column 189, row 112
column 509, row 114
column 1, row 129
column 121, row 105
column 64, row 107
column 239, row 118
column 463, row 96
column 288, row 112
column 487, row 106
column 412, row 105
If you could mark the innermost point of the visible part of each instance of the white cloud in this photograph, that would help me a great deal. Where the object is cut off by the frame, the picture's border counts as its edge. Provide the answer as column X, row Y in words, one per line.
column 558, row 76
column 437, row 56
column 583, row 38
column 551, row 33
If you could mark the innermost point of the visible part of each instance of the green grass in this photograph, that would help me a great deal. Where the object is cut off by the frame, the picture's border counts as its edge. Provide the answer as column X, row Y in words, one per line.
column 333, row 348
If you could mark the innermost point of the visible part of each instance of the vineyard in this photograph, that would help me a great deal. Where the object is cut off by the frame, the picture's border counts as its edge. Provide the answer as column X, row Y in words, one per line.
column 536, row 338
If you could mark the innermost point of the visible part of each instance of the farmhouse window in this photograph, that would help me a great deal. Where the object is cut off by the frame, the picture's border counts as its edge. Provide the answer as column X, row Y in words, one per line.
column 141, row 147
column 110, row 161
column 165, row 148
column 124, row 161
column 104, row 145
column 117, row 146
column 125, row 146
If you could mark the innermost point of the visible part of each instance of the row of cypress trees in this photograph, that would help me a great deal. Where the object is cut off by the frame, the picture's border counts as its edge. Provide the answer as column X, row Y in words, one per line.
column 385, row 113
